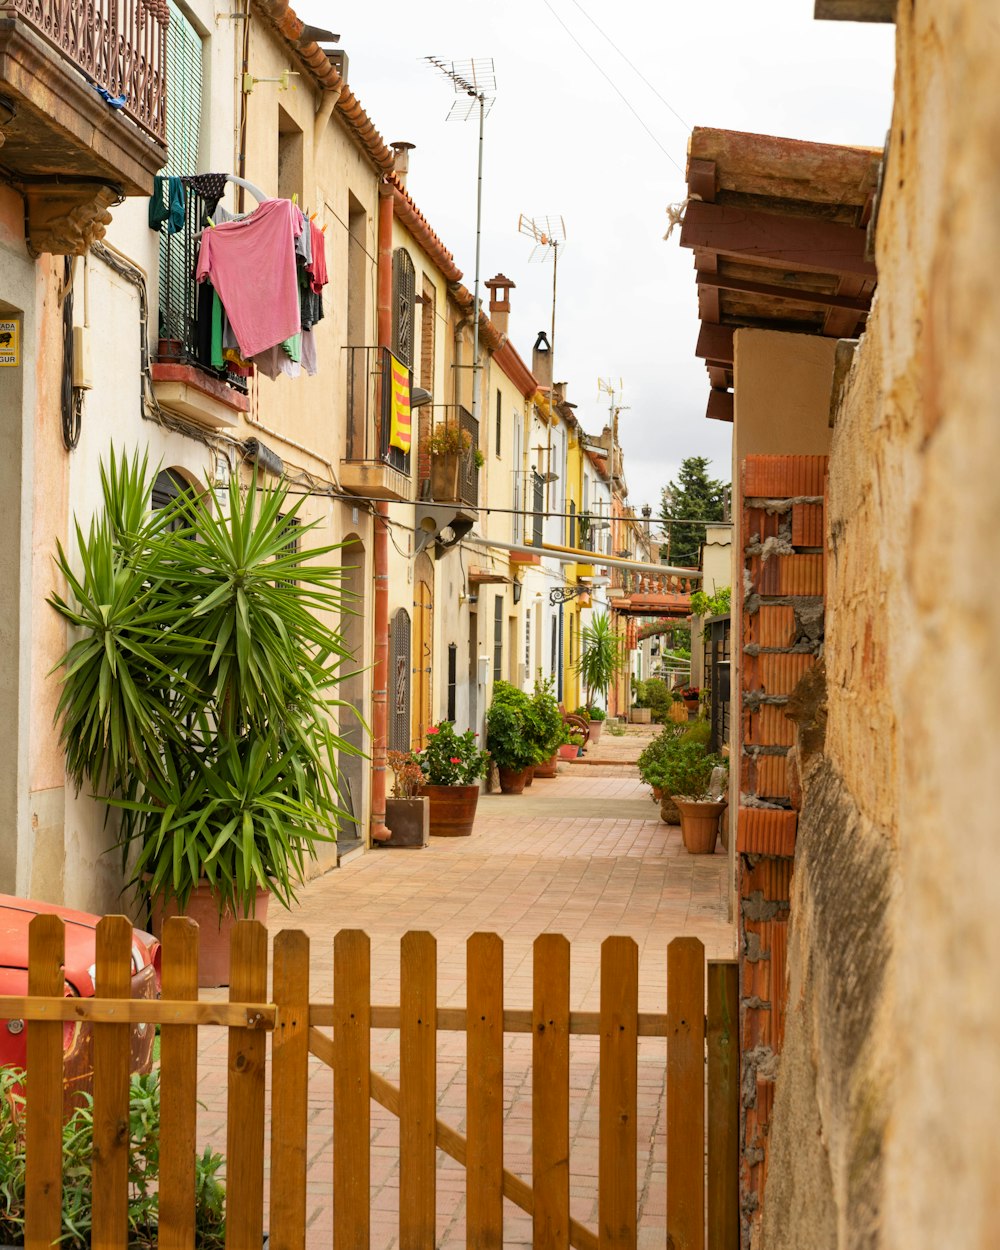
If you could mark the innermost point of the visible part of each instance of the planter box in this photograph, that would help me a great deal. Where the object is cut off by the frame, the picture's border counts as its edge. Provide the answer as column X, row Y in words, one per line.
column 445, row 471
column 641, row 716
column 410, row 822
column 452, row 809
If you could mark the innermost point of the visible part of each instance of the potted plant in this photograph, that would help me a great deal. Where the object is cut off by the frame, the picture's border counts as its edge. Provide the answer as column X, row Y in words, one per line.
column 448, row 445
column 640, row 713
column 195, row 694
column 689, row 696
column 597, row 716
column 546, row 728
column 572, row 745
column 694, row 778
column 602, row 658
column 452, row 765
column 508, row 736
column 407, row 812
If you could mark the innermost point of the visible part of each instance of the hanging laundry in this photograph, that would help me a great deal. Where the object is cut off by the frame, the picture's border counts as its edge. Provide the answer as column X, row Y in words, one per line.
column 211, row 188
column 317, row 266
column 170, row 209
column 251, row 263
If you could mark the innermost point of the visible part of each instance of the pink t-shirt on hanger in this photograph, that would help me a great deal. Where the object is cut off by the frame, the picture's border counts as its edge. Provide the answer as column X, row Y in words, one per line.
column 251, row 263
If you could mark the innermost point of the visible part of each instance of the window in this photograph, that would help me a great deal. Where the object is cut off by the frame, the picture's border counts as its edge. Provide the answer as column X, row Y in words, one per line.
column 497, row 637
column 291, row 547
column 452, row 678
column 499, row 422
column 404, row 290
column 171, row 485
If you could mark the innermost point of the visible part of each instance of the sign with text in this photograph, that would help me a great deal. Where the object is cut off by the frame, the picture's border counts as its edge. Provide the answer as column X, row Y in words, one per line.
column 10, row 342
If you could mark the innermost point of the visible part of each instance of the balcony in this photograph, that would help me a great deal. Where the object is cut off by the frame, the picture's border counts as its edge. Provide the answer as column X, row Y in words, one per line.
column 373, row 468
column 184, row 380
column 450, row 472
column 73, row 155
column 528, row 523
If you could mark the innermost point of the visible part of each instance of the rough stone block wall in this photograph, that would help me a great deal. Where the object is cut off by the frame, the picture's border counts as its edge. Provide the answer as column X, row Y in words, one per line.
column 781, row 498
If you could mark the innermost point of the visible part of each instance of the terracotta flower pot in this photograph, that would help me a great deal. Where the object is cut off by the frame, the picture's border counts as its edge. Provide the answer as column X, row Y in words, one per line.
column 214, row 932
column 410, row 823
column 530, row 776
column 453, row 809
column 699, row 824
column 549, row 768
column 594, row 730
column 692, row 706
column 569, row 751
column 513, row 780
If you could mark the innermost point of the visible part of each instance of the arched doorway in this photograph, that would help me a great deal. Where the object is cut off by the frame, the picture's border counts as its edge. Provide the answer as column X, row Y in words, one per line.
column 352, row 692
column 423, row 649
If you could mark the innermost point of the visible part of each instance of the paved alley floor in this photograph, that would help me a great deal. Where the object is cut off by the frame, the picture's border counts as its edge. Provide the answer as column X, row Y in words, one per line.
column 585, row 855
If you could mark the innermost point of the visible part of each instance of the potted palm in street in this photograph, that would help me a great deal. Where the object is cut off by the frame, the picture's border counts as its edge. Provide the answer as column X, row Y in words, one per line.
column 602, row 658
column 197, row 692
column 452, row 765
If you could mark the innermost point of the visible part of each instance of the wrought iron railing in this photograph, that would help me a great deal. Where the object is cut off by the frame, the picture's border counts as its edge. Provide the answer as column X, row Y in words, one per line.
column 186, row 304
column 369, row 409
column 454, row 431
column 119, row 45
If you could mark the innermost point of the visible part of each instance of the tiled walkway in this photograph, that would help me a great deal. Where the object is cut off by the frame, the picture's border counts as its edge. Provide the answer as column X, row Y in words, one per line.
column 583, row 855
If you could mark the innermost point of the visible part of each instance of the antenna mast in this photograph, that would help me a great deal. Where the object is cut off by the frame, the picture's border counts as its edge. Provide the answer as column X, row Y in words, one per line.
column 549, row 234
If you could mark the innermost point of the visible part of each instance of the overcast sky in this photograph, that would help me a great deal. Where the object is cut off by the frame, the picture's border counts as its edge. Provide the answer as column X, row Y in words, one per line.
column 561, row 141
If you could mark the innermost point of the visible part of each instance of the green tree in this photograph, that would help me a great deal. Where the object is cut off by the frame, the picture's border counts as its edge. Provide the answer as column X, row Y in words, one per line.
column 694, row 496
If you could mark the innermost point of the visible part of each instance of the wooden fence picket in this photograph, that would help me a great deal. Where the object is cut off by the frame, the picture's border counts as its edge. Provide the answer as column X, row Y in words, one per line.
column 686, row 1094
column 550, row 1092
column 484, row 1093
column 619, row 1076
column 247, row 1061
column 352, row 1090
column 109, row 1179
column 723, row 1105
column 289, row 1091
column 417, row 1091
column 43, row 1187
column 178, row 1087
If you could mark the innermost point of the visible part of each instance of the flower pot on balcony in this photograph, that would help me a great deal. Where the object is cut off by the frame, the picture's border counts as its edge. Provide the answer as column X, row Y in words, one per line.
column 169, row 349
column 410, row 823
column 445, row 470
column 513, row 780
column 549, row 768
column 699, row 824
column 214, row 931
column 452, row 809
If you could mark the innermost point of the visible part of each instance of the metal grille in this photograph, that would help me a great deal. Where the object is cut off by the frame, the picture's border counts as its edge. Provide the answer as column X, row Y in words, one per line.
column 369, row 408
column 468, row 486
column 399, row 670
column 404, row 290
column 452, row 679
column 538, row 507
column 716, row 643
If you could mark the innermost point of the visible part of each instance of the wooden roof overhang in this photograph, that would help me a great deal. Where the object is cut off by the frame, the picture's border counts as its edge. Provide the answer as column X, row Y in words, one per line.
column 778, row 228
column 675, row 606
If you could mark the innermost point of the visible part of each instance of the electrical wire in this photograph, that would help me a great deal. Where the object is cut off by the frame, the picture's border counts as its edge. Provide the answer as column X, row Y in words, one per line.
column 618, row 91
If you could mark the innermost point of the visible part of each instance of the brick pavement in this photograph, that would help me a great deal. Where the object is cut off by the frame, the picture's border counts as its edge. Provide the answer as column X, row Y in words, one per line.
column 583, row 855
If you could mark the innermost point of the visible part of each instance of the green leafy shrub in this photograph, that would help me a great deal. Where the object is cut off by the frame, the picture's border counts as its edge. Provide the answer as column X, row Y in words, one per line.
column 544, row 720
column 686, row 771
column 652, row 762
column 77, row 1166
column 656, row 695
column 450, row 758
column 508, row 736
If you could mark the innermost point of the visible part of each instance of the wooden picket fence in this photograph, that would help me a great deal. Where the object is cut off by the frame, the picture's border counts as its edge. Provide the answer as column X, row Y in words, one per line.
column 701, row 1184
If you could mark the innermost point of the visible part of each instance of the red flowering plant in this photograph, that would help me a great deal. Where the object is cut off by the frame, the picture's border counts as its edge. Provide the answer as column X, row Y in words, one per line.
column 450, row 758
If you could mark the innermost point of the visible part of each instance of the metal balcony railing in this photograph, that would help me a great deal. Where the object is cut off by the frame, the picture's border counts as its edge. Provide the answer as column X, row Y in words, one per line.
column 456, row 428
column 529, row 494
column 119, row 45
column 186, row 305
column 369, row 409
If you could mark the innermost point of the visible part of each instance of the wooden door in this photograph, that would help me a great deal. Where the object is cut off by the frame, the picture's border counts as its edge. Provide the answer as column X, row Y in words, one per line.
column 423, row 644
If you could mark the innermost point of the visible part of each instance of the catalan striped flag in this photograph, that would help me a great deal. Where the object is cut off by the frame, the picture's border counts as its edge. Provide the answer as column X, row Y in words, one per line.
column 399, row 400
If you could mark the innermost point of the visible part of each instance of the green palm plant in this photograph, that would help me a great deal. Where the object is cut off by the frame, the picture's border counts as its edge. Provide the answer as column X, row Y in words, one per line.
column 197, row 696
column 602, row 657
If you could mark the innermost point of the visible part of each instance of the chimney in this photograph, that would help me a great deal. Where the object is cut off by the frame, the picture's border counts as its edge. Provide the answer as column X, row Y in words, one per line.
column 558, row 393
column 541, row 360
column 500, row 288
column 401, row 158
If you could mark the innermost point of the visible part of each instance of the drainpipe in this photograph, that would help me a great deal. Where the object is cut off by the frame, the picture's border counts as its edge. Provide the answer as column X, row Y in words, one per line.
column 380, row 703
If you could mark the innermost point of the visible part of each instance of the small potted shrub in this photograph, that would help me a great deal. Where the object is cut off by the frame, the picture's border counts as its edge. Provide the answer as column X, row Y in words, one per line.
column 689, row 696
column 452, row 765
column 407, row 812
column 689, row 776
column 571, row 746
column 508, row 736
column 546, row 728
column 597, row 716
column 449, row 444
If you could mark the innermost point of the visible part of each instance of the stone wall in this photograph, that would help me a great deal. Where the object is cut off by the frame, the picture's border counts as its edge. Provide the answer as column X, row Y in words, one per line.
column 887, row 1103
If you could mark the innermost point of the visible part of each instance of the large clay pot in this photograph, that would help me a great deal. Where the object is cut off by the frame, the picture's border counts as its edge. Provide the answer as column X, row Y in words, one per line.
column 410, row 823
column 513, row 780
column 692, row 707
column 594, row 730
column 530, row 777
column 453, row 809
column 569, row 751
column 699, row 824
column 214, row 932
column 549, row 768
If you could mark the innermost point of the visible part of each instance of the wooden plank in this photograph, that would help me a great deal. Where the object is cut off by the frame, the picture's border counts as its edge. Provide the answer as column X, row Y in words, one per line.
column 417, row 1091
column 484, row 1107
column 719, row 377
column 247, row 1060
column 43, row 1182
column 723, row 1105
column 619, row 1075
column 792, row 294
column 721, row 406
column 840, row 322
column 178, row 1088
column 708, row 304
column 701, row 179
column 855, row 10
column 352, row 1090
column 686, row 1094
column 515, row 1020
column 798, row 243
column 550, row 1092
column 109, row 1177
column 715, row 343
column 141, row 1010
column 289, row 1091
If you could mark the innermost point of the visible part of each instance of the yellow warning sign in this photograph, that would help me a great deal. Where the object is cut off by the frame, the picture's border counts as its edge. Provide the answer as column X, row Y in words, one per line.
column 10, row 343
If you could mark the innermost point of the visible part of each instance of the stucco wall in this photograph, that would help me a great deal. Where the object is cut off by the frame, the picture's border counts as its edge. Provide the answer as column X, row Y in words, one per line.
column 890, row 1085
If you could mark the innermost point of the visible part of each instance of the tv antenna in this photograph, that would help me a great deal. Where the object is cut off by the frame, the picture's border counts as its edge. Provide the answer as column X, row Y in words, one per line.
column 549, row 235
column 608, row 386
column 475, row 81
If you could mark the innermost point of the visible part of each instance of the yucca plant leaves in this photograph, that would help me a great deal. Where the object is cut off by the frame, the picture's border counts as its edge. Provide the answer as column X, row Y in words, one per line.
column 196, row 688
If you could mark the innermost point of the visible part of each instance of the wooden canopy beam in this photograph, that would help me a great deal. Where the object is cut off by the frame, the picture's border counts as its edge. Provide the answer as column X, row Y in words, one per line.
column 715, row 344
column 855, row 10
column 720, row 405
column 702, row 179
column 798, row 243
column 794, row 295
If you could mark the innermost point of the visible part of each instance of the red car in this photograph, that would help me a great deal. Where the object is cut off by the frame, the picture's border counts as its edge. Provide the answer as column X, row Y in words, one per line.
column 79, row 970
